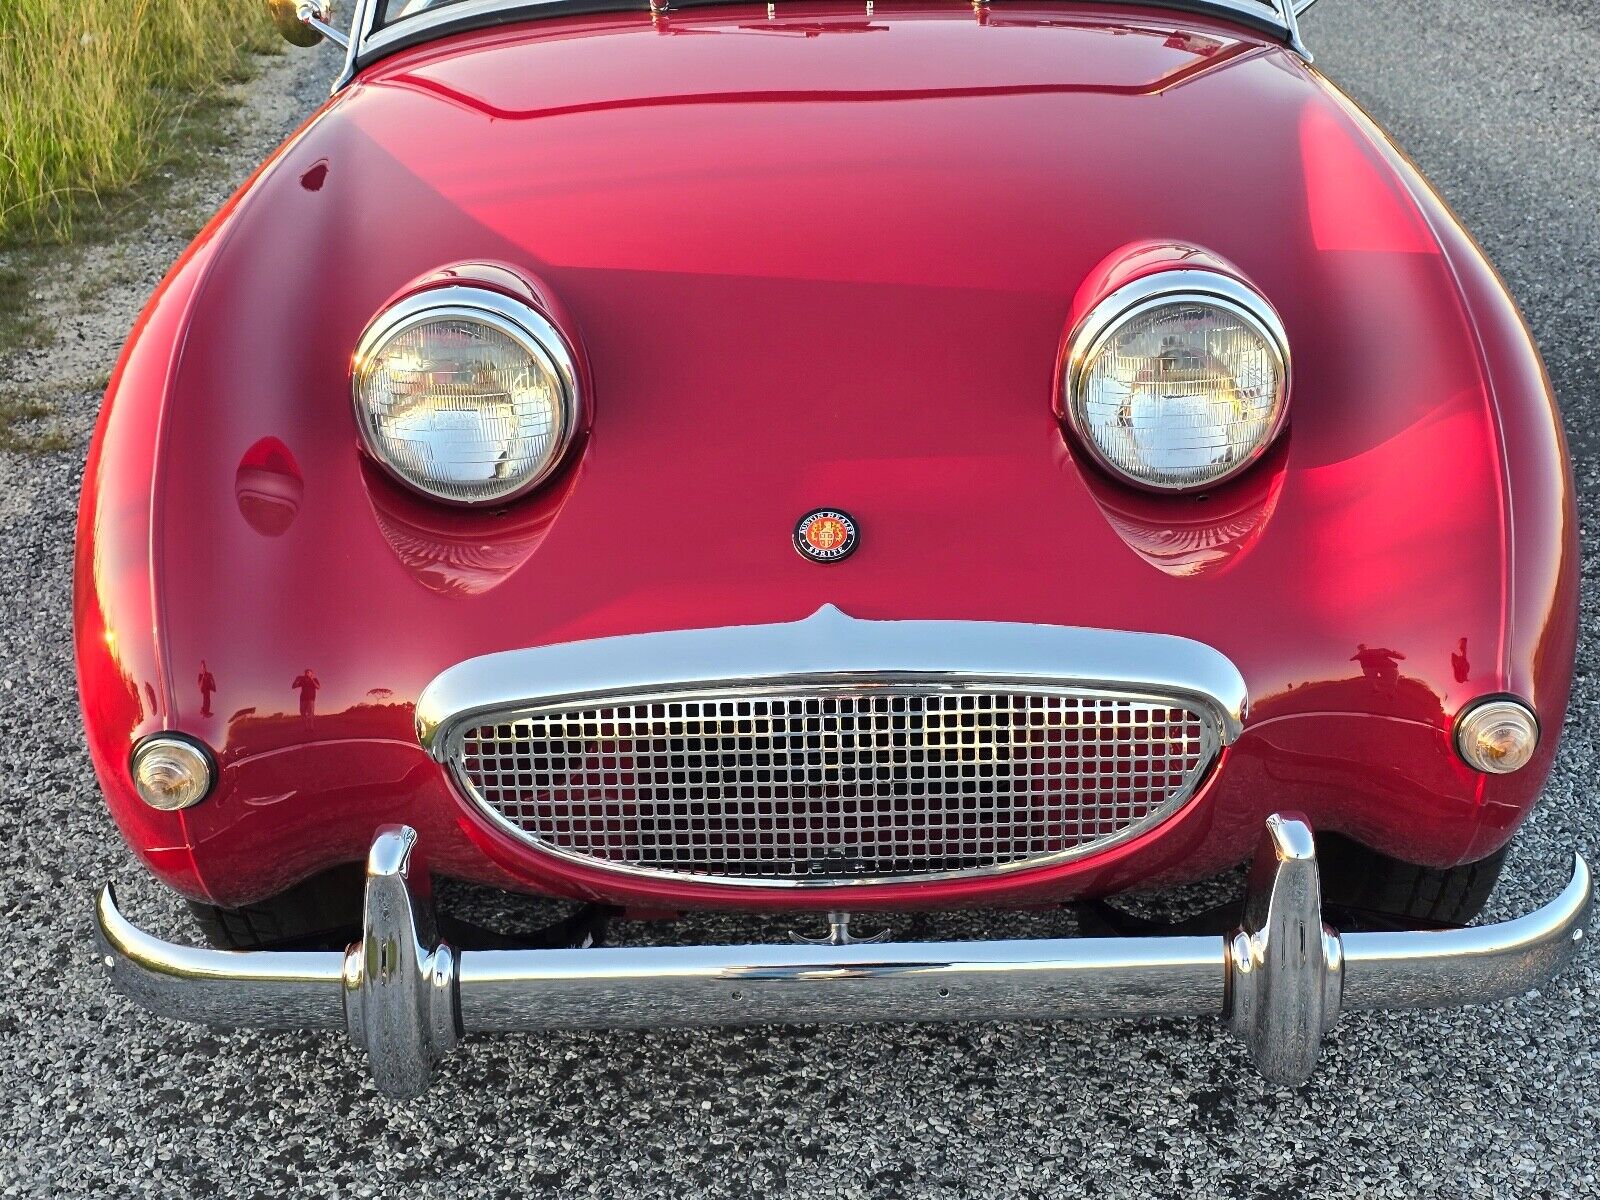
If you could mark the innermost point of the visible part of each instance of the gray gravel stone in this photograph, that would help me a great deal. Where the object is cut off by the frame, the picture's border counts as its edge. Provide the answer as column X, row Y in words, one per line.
column 1500, row 105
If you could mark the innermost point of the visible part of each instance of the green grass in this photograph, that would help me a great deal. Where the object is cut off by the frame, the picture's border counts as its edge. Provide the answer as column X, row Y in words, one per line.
column 96, row 98
column 92, row 92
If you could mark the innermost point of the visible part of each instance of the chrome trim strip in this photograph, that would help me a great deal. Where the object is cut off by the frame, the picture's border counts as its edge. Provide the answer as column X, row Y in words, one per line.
column 1280, row 980
column 830, row 650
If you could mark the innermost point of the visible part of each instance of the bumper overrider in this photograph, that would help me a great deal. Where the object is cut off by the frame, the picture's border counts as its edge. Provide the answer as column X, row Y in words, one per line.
column 1280, row 980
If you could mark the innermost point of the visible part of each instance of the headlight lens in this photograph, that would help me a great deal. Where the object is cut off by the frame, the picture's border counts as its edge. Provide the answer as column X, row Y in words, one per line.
column 465, row 394
column 1179, row 380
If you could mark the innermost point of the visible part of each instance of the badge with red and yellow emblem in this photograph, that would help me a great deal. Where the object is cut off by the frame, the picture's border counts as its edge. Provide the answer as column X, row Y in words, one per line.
column 825, row 535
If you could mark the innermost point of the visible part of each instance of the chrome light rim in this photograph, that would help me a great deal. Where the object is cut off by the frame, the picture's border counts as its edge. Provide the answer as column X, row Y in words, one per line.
column 523, row 324
column 1153, row 291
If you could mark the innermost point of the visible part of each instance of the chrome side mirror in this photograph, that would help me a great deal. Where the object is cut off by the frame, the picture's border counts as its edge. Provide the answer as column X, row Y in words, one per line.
column 305, row 22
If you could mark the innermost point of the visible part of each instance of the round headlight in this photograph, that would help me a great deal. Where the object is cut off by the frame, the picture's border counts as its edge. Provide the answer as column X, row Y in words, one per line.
column 465, row 394
column 170, row 772
column 1497, row 736
column 1178, row 380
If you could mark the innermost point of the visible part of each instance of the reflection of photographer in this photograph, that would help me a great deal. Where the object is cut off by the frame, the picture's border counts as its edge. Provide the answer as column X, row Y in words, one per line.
column 208, row 685
column 308, row 685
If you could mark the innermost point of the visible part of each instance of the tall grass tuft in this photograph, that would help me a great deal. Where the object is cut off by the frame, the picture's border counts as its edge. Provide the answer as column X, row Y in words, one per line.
column 89, row 89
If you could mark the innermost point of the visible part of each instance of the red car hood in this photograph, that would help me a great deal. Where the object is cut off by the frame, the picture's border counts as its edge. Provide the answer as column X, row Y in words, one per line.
column 828, row 261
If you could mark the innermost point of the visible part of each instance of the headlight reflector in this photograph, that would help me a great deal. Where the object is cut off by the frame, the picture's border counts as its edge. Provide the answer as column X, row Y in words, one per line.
column 171, row 773
column 465, row 394
column 1178, row 380
column 1497, row 736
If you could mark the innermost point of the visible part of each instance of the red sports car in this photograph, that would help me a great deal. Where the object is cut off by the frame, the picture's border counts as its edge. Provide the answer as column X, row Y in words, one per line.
column 842, row 458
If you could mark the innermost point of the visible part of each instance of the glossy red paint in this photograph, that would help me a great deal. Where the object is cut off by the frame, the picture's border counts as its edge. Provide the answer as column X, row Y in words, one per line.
column 826, row 260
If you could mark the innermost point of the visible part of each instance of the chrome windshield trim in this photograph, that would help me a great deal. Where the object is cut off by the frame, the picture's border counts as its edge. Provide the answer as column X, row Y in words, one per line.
column 373, row 39
column 1290, row 11
column 831, row 645
column 363, row 18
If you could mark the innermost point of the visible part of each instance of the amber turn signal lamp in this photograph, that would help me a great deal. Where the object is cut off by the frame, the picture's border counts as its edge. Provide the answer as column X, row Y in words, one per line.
column 1497, row 736
column 172, row 772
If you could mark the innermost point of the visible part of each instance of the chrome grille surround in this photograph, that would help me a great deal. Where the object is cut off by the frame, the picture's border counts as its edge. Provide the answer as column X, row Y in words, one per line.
column 843, row 752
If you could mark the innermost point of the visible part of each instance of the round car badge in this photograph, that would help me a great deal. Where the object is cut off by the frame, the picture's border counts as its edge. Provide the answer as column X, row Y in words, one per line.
column 825, row 535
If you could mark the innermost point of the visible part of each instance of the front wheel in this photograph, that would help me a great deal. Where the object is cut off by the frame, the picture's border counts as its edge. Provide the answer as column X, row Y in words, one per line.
column 322, row 913
column 1365, row 883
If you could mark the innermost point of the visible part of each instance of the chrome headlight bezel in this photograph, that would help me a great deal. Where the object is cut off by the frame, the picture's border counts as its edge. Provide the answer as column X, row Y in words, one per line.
column 1143, row 295
column 525, row 325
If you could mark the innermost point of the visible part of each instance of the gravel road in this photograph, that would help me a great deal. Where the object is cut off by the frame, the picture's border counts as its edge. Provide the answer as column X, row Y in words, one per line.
column 1500, row 105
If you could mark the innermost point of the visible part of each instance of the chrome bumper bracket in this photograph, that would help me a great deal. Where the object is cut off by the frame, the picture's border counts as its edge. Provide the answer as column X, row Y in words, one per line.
column 1280, row 981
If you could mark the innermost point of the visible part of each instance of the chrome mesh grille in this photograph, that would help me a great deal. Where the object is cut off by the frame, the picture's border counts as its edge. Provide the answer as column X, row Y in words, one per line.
column 836, row 784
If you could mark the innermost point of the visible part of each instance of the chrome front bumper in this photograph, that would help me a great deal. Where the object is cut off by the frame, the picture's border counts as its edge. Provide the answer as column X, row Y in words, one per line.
column 1280, row 980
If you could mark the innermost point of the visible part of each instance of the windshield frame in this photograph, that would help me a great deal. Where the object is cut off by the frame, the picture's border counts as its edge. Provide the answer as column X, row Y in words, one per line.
column 373, row 38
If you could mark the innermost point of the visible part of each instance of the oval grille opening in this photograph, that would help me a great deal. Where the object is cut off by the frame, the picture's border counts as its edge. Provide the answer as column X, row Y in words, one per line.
column 837, row 784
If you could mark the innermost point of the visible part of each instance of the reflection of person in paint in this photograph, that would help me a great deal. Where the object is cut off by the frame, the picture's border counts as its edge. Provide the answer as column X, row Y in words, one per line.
column 1379, row 665
column 307, row 684
column 208, row 684
column 1458, row 661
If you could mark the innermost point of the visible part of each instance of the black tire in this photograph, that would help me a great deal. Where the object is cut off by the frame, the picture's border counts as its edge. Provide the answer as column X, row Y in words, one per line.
column 1367, row 884
column 323, row 913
